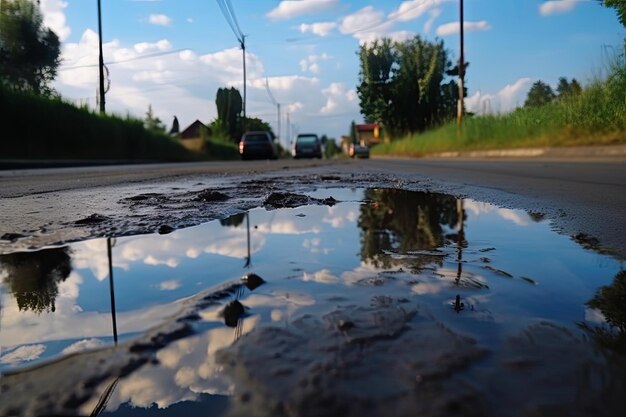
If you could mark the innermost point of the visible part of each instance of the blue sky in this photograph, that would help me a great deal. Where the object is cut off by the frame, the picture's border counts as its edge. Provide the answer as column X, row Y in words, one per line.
column 175, row 54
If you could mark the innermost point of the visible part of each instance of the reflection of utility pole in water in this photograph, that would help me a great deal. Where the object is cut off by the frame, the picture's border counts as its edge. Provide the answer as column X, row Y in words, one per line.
column 460, row 241
column 248, row 258
column 101, row 405
column 110, row 243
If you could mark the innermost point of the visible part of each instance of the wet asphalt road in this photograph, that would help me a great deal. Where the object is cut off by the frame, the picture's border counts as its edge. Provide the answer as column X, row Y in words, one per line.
column 581, row 196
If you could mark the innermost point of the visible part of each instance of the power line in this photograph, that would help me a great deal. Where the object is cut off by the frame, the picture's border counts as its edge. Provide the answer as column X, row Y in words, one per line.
column 229, row 14
column 138, row 58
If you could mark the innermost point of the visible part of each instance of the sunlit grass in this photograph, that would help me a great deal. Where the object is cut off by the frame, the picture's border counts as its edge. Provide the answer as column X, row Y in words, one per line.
column 595, row 117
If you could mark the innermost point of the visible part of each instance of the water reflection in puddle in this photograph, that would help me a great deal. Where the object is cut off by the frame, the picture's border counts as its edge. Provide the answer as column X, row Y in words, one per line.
column 481, row 270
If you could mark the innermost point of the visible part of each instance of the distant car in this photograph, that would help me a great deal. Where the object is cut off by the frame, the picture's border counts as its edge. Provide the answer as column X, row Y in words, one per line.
column 257, row 145
column 307, row 145
column 359, row 151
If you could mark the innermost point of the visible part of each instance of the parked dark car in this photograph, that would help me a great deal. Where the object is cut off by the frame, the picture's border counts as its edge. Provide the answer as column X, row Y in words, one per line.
column 257, row 145
column 307, row 145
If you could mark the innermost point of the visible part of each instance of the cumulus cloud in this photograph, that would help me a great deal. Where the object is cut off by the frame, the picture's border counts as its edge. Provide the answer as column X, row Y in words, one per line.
column 434, row 14
column 410, row 10
column 453, row 28
column 369, row 24
column 53, row 12
column 143, row 47
column 504, row 101
column 311, row 63
column 319, row 29
column 160, row 20
column 288, row 9
column 338, row 97
column 557, row 6
column 363, row 20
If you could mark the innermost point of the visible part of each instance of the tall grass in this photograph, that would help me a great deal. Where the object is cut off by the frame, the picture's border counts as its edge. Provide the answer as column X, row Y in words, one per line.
column 35, row 127
column 596, row 116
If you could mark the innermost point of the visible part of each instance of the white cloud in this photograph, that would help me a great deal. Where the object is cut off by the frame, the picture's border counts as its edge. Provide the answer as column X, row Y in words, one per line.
column 160, row 20
column 338, row 98
column 162, row 45
column 453, row 28
column 365, row 19
column 410, row 10
column 311, row 63
column 368, row 25
column 434, row 14
column 54, row 17
column 557, row 6
column 319, row 29
column 288, row 9
column 505, row 100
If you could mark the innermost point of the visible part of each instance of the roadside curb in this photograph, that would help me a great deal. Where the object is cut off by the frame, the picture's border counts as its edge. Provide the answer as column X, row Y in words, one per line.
column 579, row 152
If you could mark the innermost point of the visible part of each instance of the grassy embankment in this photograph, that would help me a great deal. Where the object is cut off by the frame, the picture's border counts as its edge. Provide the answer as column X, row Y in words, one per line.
column 39, row 128
column 595, row 117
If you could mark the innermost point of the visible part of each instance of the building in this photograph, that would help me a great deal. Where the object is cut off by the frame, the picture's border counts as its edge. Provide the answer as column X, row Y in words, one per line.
column 194, row 136
column 369, row 134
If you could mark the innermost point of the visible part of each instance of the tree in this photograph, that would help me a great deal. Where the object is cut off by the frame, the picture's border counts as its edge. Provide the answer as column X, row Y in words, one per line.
column 153, row 123
column 175, row 127
column 539, row 94
column 229, row 107
column 620, row 8
column 29, row 52
column 568, row 89
column 254, row 123
column 353, row 135
column 403, row 84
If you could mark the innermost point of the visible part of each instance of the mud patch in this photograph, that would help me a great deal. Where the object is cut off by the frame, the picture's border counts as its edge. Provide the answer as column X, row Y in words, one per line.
column 290, row 200
column 386, row 359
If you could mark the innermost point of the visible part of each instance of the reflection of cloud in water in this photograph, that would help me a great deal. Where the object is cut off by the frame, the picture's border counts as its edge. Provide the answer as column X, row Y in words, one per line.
column 288, row 227
column 82, row 345
column 70, row 322
column 339, row 216
column 594, row 316
column 324, row 276
column 424, row 288
column 237, row 246
column 170, row 285
column 22, row 354
column 518, row 217
column 171, row 262
column 186, row 368
column 92, row 255
column 363, row 271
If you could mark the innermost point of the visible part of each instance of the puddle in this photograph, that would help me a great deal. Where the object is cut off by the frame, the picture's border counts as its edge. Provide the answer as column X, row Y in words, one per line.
column 382, row 288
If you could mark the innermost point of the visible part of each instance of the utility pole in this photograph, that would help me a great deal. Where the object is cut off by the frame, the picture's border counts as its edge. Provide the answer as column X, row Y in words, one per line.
column 460, row 109
column 101, row 61
column 288, row 130
column 278, row 129
column 243, row 48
